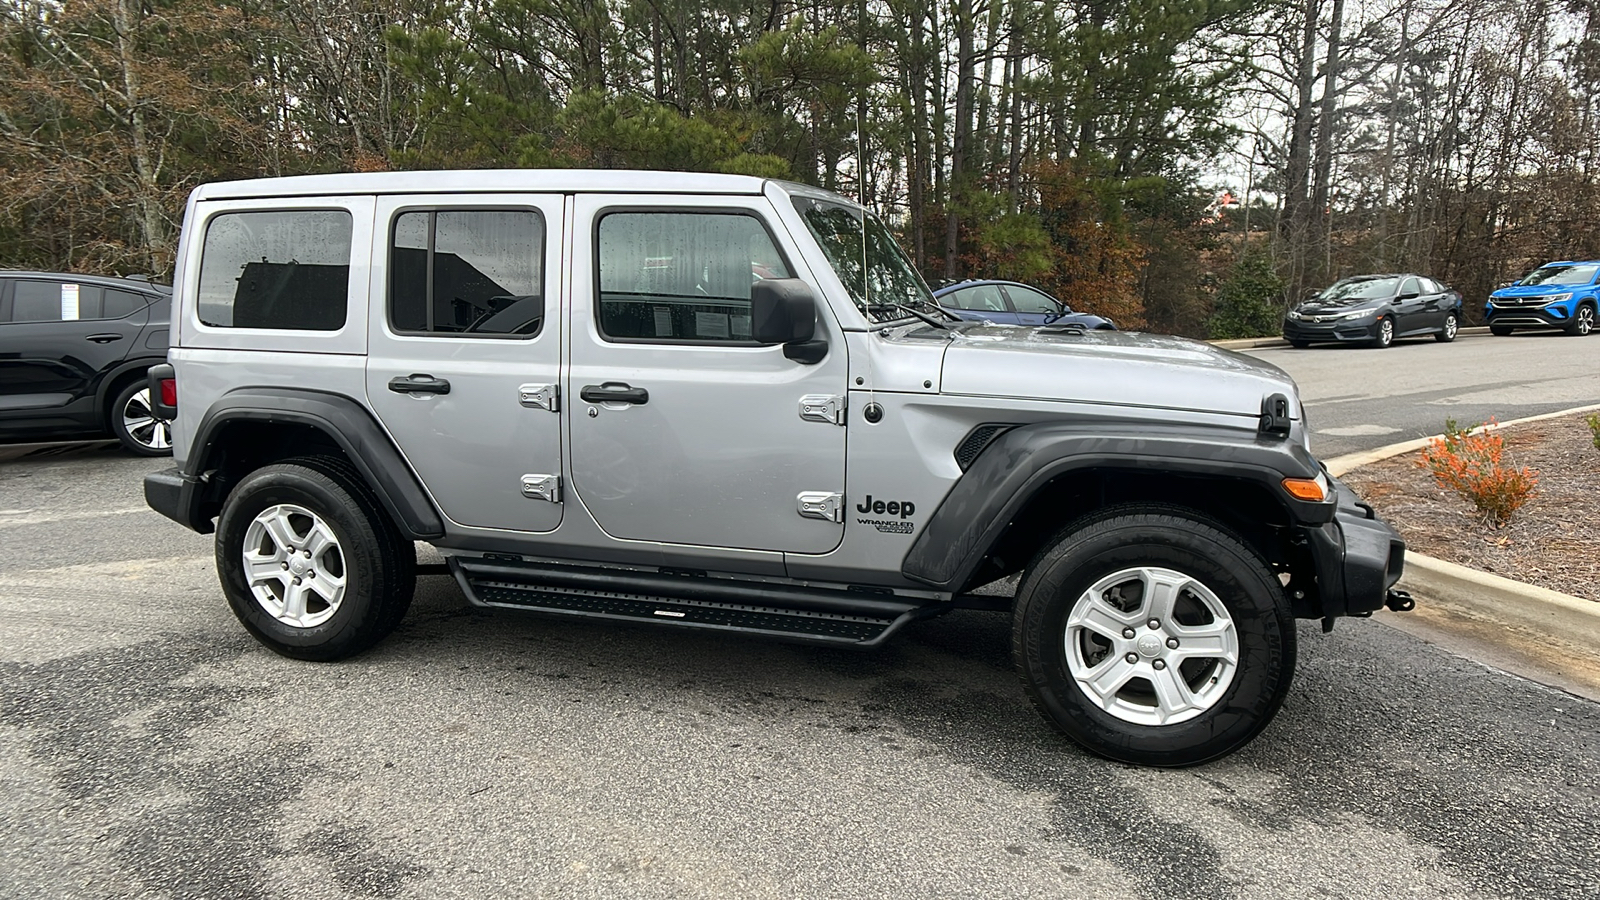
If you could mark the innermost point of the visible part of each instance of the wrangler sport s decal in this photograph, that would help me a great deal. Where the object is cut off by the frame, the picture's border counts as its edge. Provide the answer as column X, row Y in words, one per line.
column 902, row 508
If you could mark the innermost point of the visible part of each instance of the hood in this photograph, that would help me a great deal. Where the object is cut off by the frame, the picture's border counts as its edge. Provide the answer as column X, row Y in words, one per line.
column 1538, row 290
column 1123, row 368
column 1342, row 304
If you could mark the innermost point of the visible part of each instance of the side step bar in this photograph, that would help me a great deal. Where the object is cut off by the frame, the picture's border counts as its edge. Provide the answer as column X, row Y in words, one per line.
column 786, row 612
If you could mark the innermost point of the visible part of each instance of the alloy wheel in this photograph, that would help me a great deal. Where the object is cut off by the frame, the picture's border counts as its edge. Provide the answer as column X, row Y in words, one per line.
column 1151, row 646
column 143, row 425
column 1585, row 319
column 294, row 565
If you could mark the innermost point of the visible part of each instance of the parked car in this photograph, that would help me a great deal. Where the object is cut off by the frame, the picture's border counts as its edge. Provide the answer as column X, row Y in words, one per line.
column 1012, row 303
column 815, row 456
column 1374, row 310
column 1556, row 295
column 74, row 350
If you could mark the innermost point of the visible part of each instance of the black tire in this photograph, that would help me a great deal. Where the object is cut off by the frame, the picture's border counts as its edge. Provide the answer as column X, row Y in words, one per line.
column 131, row 421
column 1451, row 326
column 1299, row 345
column 1582, row 323
column 1383, row 334
column 1110, row 542
column 1499, row 330
column 376, row 563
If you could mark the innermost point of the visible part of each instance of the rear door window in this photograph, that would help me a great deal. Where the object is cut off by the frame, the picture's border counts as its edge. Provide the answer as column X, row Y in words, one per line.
column 55, row 301
column 983, row 298
column 467, row 273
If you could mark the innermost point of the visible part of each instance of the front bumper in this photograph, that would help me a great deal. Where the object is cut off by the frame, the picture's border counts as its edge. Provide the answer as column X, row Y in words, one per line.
column 1314, row 332
column 1357, row 558
column 1555, row 316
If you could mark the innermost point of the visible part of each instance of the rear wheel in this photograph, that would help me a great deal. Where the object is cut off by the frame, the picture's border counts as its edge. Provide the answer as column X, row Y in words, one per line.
column 1582, row 321
column 1499, row 330
column 1151, row 636
column 1451, row 326
column 309, row 561
column 134, row 423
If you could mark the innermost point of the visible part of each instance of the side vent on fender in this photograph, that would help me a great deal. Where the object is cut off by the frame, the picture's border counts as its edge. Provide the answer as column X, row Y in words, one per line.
column 977, row 439
column 1275, row 415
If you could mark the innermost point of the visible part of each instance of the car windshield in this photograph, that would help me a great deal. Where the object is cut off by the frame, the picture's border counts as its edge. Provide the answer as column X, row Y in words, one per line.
column 1371, row 288
column 876, row 272
column 1562, row 275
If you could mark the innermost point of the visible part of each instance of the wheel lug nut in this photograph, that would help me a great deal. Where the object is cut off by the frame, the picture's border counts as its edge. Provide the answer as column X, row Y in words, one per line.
column 1159, row 665
column 1172, row 643
column 1155, row 623
column 286, row 565
column 297, row 580
column 1132, row 657
column 308, row 554
column 1127, row 633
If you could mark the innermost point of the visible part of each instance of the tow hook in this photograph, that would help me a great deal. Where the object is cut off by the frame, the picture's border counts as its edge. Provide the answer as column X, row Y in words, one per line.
column 1400, row 601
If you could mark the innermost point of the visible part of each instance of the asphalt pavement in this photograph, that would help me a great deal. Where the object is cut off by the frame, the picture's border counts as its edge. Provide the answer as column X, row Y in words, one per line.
column 150, row 748
column 1360, row 399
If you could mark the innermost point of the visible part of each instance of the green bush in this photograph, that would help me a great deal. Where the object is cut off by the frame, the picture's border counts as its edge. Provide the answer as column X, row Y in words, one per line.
column 1594, row 429
column 1249, row 302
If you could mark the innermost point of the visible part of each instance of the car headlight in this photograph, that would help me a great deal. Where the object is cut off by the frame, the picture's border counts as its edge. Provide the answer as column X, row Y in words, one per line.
column 1558, row 298
column 1295, row 315
column 1357, row 314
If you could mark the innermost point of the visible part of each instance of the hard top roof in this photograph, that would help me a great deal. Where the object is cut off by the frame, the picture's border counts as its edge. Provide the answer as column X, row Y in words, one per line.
column 484, row 181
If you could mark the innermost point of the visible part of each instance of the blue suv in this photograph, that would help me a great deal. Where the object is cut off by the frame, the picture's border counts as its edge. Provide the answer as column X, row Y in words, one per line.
column 1557, row 295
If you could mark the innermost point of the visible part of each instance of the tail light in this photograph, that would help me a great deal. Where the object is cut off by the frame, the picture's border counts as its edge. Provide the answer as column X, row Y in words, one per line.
column 163, row 384
column 169, row 392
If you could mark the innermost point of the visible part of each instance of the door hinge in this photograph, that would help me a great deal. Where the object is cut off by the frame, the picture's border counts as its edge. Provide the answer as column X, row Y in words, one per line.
column 823, row 408
column 542, row 487
column 825, row 505
column 540, row 396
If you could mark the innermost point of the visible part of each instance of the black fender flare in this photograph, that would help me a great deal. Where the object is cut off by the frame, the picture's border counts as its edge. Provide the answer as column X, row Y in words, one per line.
column 1020, row 462
column 347, row 423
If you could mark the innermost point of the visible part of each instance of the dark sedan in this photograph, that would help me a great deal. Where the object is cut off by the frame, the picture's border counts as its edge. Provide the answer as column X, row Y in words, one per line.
column 74, row 350
column 1374, row 310
column 1011, row 303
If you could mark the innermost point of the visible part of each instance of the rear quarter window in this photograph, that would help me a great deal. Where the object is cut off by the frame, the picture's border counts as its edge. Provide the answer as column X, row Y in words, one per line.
column 283, row 269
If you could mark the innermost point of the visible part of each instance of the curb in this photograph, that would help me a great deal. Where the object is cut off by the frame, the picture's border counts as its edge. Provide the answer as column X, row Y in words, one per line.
column 1481, row 594
column 1536, row 609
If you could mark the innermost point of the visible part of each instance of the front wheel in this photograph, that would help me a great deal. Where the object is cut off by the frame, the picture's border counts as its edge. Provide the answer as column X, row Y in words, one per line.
column 1451, row 326
column 136, row 425
column 1384, row 336
column 1151, row 636
column 309, row 561
column 1582, row 321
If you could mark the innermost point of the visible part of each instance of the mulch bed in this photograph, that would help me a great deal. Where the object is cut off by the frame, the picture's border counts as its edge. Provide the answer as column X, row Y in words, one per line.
column 1553, row 541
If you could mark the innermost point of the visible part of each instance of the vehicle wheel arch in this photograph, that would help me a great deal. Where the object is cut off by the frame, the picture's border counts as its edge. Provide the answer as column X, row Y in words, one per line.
column 117, row 379
column 1025, row 486
column 248, row 429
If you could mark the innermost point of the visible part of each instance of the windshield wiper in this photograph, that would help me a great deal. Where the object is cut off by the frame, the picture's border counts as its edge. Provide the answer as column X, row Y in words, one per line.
column 915, row 312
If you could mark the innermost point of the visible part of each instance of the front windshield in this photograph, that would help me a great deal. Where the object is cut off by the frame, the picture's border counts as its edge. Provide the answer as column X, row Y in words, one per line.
column 1361, row 289
column 1562, row 275
column 866, row 258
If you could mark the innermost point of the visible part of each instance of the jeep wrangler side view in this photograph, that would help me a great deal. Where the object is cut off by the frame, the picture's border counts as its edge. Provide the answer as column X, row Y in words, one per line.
column 727, row 403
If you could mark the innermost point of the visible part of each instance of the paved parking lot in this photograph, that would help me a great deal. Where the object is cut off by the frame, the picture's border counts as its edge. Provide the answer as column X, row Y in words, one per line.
column 148, row 747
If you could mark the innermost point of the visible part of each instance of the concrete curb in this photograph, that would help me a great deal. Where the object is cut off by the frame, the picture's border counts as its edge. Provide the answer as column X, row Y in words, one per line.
column 1536, row 609
column 1481, row 594
column 1339, row 465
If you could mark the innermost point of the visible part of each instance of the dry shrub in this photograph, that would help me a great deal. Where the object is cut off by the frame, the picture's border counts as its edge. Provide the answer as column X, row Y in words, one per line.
column 1468, row 461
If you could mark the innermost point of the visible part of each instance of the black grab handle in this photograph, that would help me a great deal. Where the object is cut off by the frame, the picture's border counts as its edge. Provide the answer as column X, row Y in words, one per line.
column 613, row 392
column 419, row 384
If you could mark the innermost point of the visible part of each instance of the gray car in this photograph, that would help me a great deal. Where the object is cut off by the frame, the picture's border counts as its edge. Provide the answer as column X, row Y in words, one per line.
column 1374, row 310
column 731, row 404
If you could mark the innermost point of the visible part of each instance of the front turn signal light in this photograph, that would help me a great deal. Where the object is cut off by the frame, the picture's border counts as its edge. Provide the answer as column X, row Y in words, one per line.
column 1314, row 490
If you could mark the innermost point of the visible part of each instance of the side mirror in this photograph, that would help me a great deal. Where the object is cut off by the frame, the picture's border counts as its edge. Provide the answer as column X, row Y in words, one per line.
column 1408, row 295
column 784, row 311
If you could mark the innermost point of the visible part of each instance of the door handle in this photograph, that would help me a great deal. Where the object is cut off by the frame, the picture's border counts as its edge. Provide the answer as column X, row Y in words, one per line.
column 613, row 392
column 104, row 338
column 419, row 384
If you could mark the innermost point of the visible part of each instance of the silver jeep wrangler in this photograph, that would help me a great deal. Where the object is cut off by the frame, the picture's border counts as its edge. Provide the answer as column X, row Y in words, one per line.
column 726, row 403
